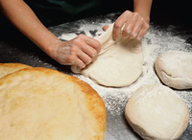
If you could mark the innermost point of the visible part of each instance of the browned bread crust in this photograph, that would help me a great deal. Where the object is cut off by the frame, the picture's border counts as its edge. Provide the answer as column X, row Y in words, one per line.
column 28, row 88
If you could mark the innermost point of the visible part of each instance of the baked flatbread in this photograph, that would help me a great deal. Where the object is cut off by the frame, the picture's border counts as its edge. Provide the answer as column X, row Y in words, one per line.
column 44, row 104
column 7, row 68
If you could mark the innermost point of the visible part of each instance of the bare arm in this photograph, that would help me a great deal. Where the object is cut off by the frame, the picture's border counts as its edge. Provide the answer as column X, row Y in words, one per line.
column 79, row 51
column 21, row 16
column 143, row 7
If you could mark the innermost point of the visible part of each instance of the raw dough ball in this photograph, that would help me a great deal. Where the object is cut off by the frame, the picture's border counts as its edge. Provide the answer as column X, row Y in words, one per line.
column 44, row 104
column 7, row 68
column 156, row 112
column 174, row 68
column 119, row 63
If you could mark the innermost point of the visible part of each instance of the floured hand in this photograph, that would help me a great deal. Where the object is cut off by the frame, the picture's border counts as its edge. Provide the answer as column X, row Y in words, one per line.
column 79, row 51
column 135, row 25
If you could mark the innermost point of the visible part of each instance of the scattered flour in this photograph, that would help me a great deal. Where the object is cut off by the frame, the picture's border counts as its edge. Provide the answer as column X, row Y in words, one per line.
column 154, row 42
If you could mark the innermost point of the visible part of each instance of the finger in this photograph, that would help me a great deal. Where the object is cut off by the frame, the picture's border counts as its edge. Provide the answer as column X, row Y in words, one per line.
column 119, row 24
column 84, row 57
column 105, row 27
column 91, row 52
column 74, row 60
column 128, row 29
column 95, row 44
column 78, row 53
column 137, row 27
column 141, row 33
column 78, row 56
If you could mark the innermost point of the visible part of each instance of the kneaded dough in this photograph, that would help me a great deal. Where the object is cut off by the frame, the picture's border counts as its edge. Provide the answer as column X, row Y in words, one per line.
column 44, row 104
column 7, row 68
column 156, row 112
column 174, row 68
column 119, row 63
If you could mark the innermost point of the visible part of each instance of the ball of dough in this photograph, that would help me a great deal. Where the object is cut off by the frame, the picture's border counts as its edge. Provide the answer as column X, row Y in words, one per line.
column 119, row 63
column 174, row 68
column 157, row 112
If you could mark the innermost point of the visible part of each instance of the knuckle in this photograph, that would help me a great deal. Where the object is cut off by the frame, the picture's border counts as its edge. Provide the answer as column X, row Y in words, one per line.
column 81, row 36
column 94, row 53
column 71, row 58
column 136, row 15
column 146, row 27
column 115, row 33
column 75, row 41
column 127, row 12
column 97, row 44
column 116, row 25
column 124, row 33
column 73, row 49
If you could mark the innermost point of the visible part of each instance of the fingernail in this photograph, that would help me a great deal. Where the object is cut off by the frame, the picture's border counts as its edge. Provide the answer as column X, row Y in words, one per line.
column 72, row 62
column 89, row 62
column 93, row 56
column 128, row 32
column 134, row 35
column 138, row 38
column 115, row 38
column 81, row 67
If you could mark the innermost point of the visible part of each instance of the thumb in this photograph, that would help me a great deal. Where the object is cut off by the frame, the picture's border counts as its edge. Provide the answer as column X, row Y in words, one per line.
column 105, row 27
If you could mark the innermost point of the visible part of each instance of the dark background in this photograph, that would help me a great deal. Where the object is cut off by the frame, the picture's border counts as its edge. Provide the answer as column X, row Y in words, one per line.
column 176, row 12
column 163, row 13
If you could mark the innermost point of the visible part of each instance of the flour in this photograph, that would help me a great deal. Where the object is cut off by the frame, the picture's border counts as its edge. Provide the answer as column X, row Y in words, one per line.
column 67, row 36
column 176, row 60
column 154, row 42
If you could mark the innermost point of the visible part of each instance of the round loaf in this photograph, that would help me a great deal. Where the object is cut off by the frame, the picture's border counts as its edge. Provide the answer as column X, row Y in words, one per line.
column 174, row 68
column 156, row 112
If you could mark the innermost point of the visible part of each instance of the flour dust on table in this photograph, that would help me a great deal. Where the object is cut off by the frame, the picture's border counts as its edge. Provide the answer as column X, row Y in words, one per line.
column 154, row 42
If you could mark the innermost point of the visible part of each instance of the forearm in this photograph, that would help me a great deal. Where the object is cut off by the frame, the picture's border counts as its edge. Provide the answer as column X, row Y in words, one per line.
column 143, row 7
column 21, row 16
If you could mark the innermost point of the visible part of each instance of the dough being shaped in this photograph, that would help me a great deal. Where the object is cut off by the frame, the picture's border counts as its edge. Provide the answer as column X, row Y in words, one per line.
column 44, row 104
column 174, row 68
column 156, row 112
column 119, row 63
column 7, row 68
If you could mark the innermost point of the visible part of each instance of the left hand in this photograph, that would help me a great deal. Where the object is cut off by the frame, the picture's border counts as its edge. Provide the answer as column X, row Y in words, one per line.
column 135, row 26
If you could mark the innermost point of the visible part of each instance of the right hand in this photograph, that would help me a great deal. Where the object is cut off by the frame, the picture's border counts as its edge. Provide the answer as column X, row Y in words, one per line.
column 79, row 51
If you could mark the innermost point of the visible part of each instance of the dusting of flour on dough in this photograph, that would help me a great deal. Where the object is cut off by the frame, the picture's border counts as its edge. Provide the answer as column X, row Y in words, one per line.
column 154, row 42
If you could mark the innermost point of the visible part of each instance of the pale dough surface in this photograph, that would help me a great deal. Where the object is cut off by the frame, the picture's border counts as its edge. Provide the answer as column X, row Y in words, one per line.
column 156, row 112
column 174, row 68
column 44, row 104
column 7, row 68
column 120, row 63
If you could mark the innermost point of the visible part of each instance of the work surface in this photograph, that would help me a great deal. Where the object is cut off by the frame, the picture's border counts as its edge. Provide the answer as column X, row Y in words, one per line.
column 159, row 39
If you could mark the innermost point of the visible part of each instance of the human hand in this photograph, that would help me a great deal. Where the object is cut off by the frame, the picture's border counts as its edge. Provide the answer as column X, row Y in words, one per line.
column 79, row 51
column 135, row 26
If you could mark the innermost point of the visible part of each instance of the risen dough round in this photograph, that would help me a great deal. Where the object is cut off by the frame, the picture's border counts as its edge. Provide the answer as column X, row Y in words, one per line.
column 156, row 112
column 174, row 68
column 44, row 104
column 119, row 63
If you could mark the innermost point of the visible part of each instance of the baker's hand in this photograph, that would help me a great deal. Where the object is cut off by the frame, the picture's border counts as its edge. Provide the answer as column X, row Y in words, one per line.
column 79, row 51
column 135, row 26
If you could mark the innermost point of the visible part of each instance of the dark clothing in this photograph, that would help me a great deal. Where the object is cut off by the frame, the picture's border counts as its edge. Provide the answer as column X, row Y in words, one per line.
column 53, row 12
